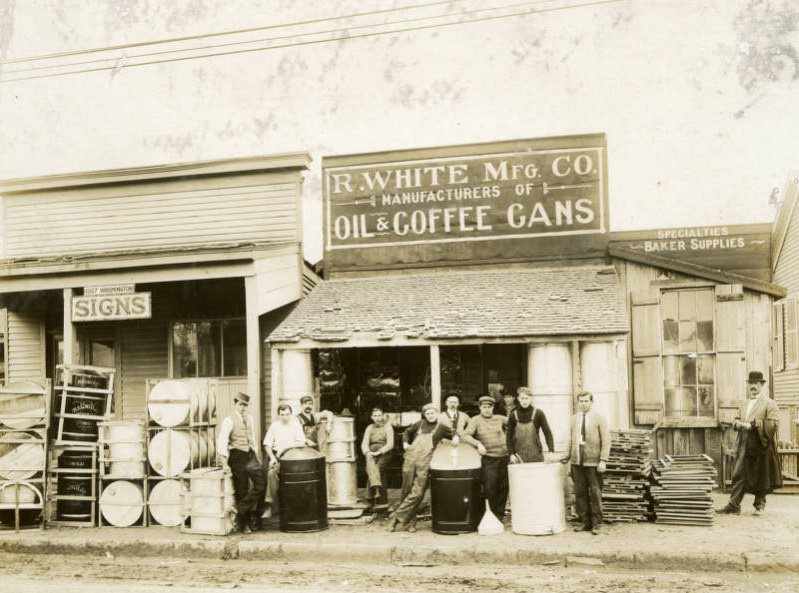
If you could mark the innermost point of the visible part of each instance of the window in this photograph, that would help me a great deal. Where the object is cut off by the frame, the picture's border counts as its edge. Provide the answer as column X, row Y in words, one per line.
column 786, row 334
column 215, row 348
column 688, row 353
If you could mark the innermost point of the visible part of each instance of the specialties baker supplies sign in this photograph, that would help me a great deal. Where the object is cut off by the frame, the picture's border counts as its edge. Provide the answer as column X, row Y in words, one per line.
column 533, row 192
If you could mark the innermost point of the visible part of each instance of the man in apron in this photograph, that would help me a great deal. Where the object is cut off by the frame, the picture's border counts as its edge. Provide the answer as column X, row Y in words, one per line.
column 524, row 425
column 283, row 434
column 377, row 445
column 310, row 421
column 419, row 440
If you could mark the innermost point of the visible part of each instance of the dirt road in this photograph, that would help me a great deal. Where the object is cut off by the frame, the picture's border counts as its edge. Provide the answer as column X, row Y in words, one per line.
column 59, row 574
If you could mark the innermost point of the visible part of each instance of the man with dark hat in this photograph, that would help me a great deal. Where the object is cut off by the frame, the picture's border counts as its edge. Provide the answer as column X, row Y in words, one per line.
column 757, row 465
column 486, row 432
column 237, row 447
column 310, row 421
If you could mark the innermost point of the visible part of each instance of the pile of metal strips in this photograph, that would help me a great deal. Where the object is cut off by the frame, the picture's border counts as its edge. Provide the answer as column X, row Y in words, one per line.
column 626, row 478
column 681, row 487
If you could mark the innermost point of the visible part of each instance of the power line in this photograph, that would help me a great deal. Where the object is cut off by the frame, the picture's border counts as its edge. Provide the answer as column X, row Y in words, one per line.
column 343, row 34
column 224, row 33
column 116, row 59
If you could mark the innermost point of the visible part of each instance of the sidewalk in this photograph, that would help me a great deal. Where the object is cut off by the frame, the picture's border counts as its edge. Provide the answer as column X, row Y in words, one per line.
column 745, row 542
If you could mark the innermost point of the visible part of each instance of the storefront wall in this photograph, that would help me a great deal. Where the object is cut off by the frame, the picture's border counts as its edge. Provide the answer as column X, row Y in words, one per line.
column 693, row 341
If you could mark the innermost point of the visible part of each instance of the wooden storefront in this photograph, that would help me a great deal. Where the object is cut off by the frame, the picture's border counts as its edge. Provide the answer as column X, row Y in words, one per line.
column 160, row 272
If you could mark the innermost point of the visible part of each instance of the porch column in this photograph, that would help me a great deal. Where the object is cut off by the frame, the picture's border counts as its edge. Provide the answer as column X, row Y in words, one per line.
column 296, row 377
column 435, row 376
column 71, row 351
column 253, row 355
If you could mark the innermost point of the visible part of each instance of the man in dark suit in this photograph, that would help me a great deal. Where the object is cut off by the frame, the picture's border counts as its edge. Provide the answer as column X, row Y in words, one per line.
column 589, row 451
column 757, row 465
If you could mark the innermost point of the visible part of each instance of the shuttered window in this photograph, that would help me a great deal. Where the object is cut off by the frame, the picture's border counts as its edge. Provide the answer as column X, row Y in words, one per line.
column 791, row 334
column 779, row 336
column 688, row 353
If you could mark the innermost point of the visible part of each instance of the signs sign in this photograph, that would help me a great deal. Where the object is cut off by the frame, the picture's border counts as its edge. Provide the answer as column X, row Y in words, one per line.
column 524, row 189
column 105, row 303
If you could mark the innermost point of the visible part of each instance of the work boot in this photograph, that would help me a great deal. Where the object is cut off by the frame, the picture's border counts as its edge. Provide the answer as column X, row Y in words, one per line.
column 582, row 527
column 596, row 529
column 728, row 510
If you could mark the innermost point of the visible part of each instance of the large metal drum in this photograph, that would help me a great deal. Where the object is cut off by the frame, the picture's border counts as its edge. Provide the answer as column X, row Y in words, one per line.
column 87, row 407
column 340, row 442
column 172, row 452
column 303, row 491
column 176, row 402
column 23, row 404
column 536, row 498
column 122, row 503
column 21, row 455
column 165, row 500
column 22, row 496
column 551, row 384
column 342, row 483
column 78, row 485
column 455, row 488
column 124, row 448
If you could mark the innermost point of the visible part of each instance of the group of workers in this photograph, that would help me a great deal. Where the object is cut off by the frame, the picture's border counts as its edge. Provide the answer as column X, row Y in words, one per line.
column 501, row 439
column 513, row 436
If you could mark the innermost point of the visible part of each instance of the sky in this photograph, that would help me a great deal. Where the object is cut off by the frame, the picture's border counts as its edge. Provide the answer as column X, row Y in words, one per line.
column 697, row 97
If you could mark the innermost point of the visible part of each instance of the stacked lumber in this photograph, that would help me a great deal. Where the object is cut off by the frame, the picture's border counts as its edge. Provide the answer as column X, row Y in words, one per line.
column 626, row 478
column 681, row 489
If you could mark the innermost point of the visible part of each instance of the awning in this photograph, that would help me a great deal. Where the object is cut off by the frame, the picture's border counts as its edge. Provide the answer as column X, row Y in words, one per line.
column 508, row 303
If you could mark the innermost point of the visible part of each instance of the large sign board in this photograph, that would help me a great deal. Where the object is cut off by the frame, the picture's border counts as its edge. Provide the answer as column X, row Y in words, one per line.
column 517, row 190
column 106, row 303
column 739, row 249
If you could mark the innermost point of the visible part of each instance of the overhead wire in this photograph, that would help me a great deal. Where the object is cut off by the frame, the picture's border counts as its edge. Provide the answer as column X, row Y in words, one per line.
column 119, row 61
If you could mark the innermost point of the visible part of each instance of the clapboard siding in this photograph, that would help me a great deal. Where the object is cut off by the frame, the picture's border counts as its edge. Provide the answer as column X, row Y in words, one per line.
column 786, row 266
column 152, row 215
column 786, row 273
column 25, row 348
column 145, row 355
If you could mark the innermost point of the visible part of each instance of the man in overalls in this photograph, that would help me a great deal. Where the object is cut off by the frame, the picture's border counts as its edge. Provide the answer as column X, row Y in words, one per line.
column 524, row 425
column 236, row 447
column 419, row 440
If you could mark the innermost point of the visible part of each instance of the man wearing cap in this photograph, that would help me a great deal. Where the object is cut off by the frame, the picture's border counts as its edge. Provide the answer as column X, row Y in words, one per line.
column 419, row 441
column 310, row 421
column 757, row 465
column 237, row 447
column 486, row 433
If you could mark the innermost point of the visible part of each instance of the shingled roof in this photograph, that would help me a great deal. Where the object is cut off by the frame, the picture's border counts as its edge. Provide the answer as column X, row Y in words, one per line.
column 449, row 305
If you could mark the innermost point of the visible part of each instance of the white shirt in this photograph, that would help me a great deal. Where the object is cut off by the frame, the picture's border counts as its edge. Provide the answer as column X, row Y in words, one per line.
column 281, row 436
column 223, row 438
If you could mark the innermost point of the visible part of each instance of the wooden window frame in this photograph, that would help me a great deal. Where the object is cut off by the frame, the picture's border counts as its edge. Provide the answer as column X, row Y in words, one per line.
column 685, row 420
column 778, row 331
column 791, row 335
column 221, row 321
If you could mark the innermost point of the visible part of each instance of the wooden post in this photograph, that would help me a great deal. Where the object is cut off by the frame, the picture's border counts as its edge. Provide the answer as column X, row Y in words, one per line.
column 71, row 350
column 276, row 380
column 253, row 354
column 435, row 376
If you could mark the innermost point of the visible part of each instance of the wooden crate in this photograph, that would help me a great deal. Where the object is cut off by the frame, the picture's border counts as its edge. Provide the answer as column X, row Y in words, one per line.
column 210, row 505
column 75, row 388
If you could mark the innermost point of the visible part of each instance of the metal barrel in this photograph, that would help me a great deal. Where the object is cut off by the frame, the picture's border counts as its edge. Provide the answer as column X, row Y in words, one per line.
column 303, row 491
column 455, row 489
